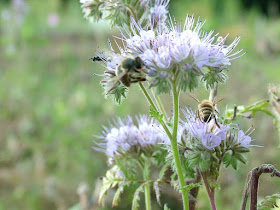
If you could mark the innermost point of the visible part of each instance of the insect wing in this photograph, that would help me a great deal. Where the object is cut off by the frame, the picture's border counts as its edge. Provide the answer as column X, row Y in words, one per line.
column 111, row 83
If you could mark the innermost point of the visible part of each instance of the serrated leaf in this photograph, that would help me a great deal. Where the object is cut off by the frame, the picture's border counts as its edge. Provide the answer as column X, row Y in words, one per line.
column 258, row 106
column 191, row 186
column 157, row 191
column 269, row 202
column 170, row 124
column 117, row 195
column 136, row 197
column 166, row 207
column 155, row 114
column 105, row 187
column 146, row 169
column 240, row 157
column 203, row 165
column 193, row 158
column 163, row 169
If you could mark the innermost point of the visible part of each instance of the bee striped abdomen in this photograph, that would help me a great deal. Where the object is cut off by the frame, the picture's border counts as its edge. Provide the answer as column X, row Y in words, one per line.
column 206, row 110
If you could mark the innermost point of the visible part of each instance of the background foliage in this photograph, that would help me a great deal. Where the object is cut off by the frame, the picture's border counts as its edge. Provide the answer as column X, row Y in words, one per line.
column 51, row 105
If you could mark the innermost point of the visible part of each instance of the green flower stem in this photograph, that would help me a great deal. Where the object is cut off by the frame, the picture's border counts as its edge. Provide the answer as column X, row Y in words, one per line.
column 147, row 190
column 147, row 95
column 175, row 150
column 155, row 108
column 148, row 196
column 160, row 105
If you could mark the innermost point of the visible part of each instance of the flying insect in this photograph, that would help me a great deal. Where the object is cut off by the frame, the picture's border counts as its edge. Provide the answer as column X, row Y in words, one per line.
column 206, row 109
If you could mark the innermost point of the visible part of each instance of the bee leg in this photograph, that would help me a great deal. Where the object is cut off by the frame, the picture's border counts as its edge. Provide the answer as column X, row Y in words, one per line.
column 197, row 115
column 137, row 79
column 217, row 122
column 110, row 72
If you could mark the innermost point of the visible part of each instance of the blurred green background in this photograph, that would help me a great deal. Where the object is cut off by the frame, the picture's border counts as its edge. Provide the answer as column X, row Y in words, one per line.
column 51, row 105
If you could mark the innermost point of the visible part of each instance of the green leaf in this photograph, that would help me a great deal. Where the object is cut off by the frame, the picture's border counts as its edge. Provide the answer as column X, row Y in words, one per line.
column 227, row 158
column 155, row 114
column 157, row 191
column 117, row 195
column 193, row 158
column 240, row 157
column 105, row 187
column 260, row 106
column 136, row 197
column 241, row 149
column 269, row 202
column 166, row 207
column 233, row 162
column 191, row 186
column 163, row 169
column 203, row 164
column 146, row 169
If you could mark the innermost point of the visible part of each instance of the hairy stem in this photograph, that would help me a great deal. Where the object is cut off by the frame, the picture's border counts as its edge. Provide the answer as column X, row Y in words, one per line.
column 256, row 173
column 175, row 150
column 160, row 105
column 147, row 95
column 147, row 190
column 148, row 196
column 155, row 108
column 213, row 92
column 210, row 191
column 252, row 184
column 194, row 191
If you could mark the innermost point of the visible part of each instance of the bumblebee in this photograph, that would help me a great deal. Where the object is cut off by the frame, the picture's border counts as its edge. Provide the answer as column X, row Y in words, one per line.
column 206, row 109
column 128, row 72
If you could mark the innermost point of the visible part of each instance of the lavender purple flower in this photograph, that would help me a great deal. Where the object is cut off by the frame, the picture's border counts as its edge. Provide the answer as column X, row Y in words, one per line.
column 171, row 52
column 124, row 135
column 211, row 134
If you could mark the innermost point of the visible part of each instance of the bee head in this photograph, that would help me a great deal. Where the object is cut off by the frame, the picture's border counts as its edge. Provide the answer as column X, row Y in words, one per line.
column 138, row 62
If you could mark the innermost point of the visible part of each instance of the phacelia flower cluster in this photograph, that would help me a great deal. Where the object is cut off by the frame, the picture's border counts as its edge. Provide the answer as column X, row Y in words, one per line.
column 181, row 52
column 120, row 11
column 125, row 136
column 172, row 52
column 211, row 134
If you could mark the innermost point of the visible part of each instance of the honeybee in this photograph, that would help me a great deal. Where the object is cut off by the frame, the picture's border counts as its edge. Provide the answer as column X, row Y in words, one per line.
column 128, row 72
column 206, row 109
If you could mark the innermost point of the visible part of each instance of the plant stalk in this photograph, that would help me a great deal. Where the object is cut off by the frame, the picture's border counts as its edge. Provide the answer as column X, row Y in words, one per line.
column 194, row 191
column 160, row 105
column 155, row 108
column 210, row 191
column 148, row 197
column 175, row 150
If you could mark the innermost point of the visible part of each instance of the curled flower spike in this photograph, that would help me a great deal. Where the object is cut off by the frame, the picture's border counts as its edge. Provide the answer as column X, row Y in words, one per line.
column 124, row 136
